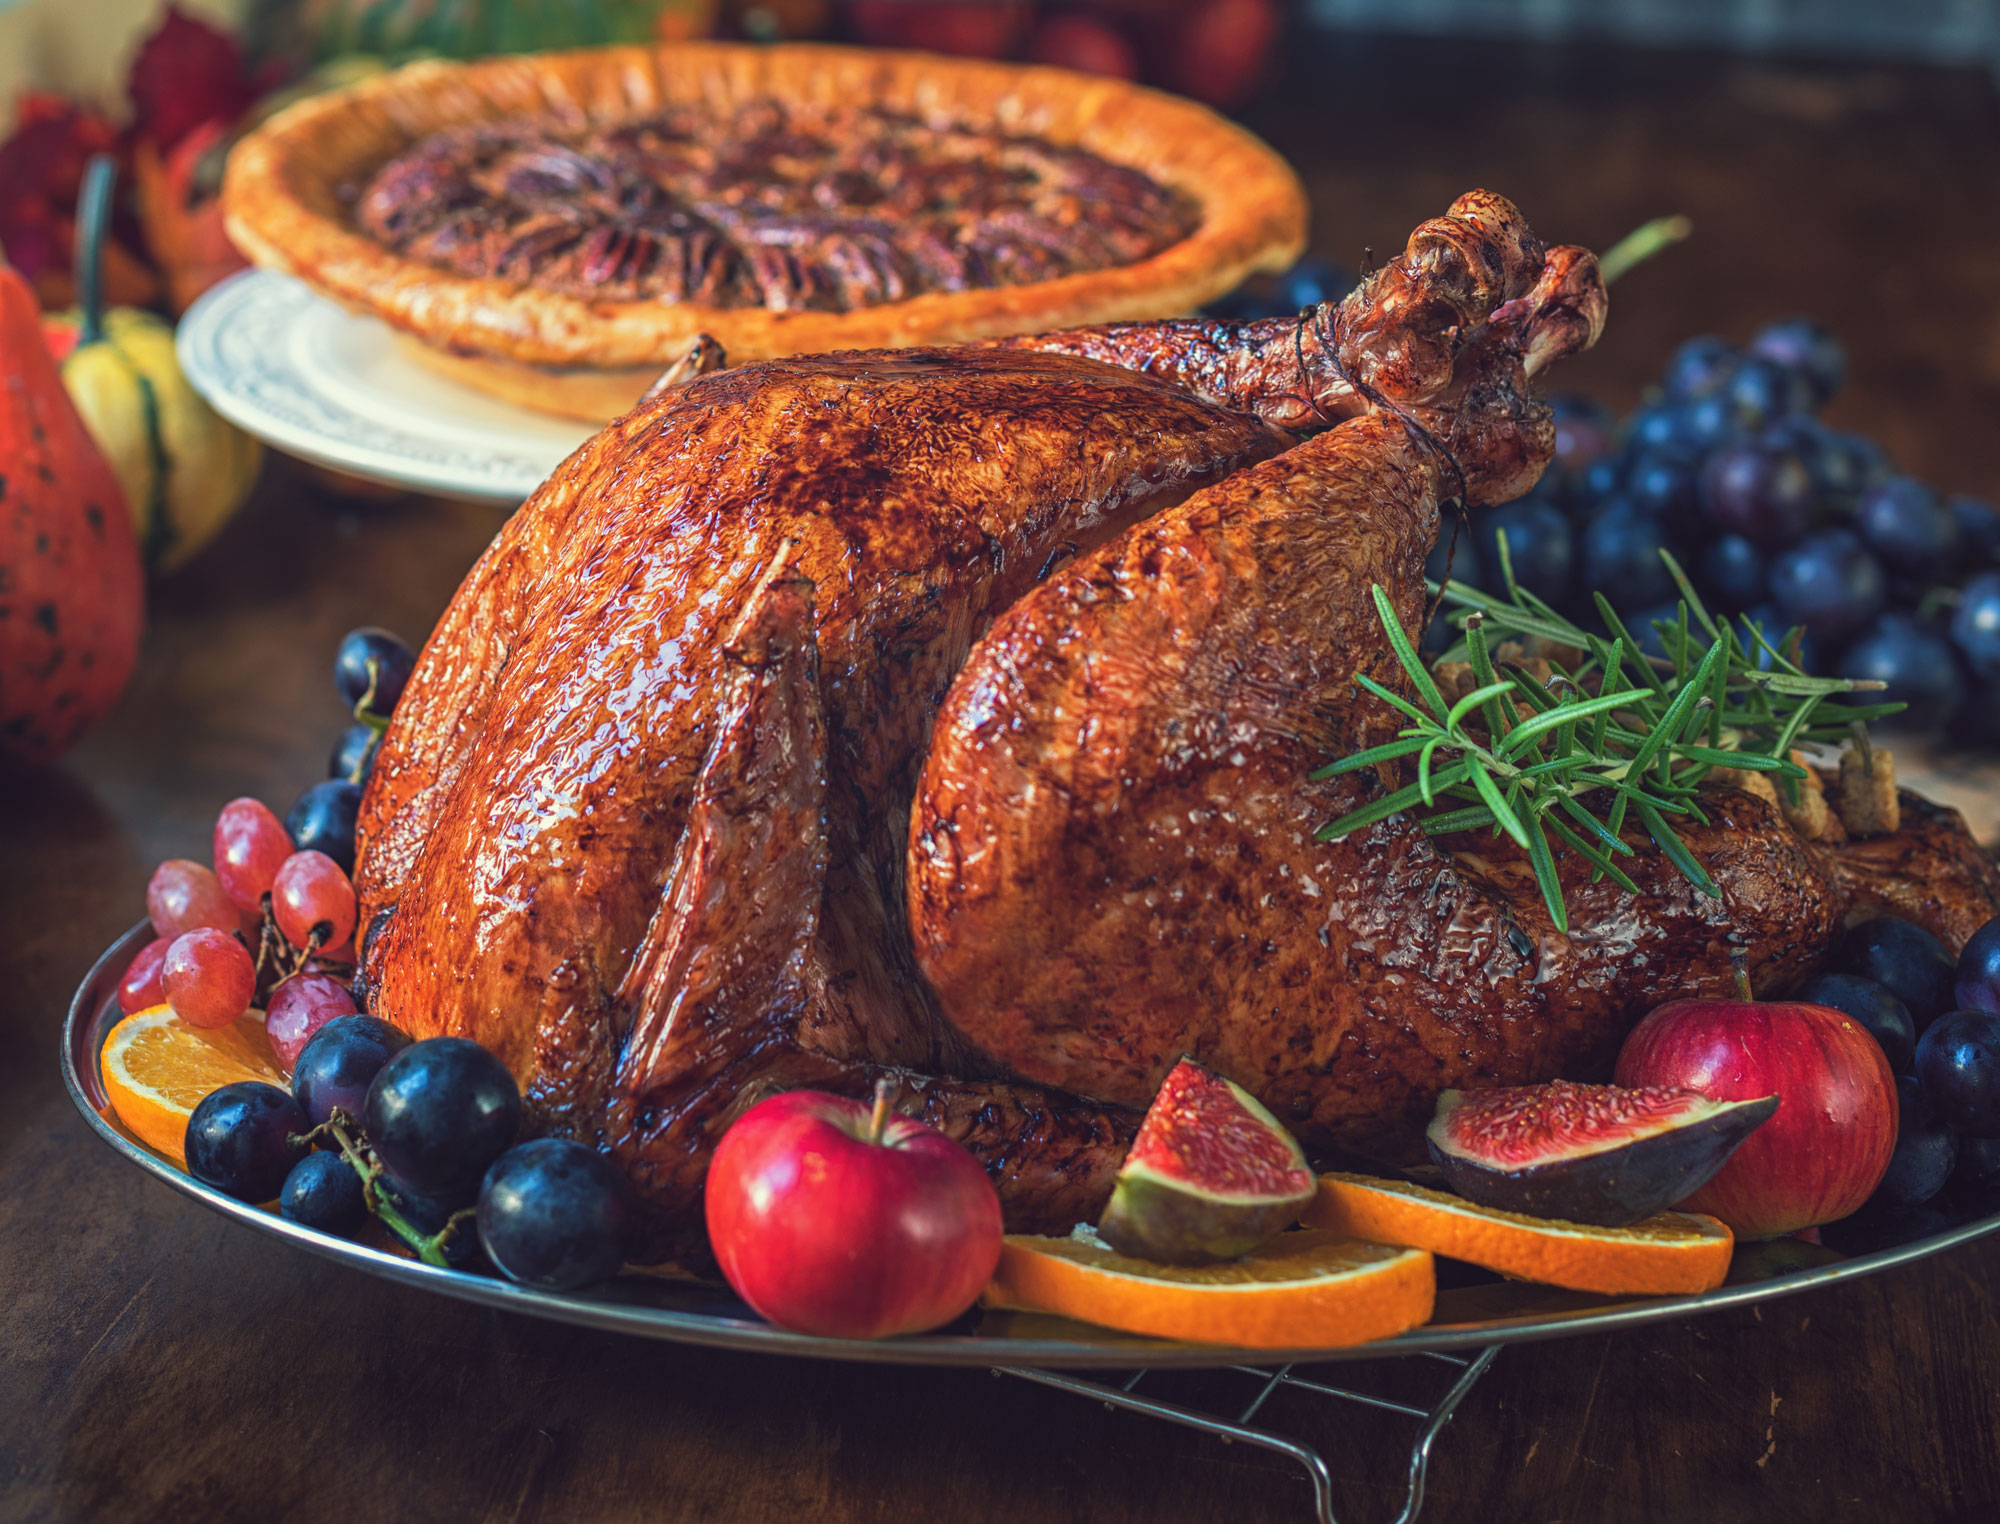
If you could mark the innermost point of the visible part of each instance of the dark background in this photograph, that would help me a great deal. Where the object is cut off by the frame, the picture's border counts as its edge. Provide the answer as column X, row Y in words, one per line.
column 159, row 1363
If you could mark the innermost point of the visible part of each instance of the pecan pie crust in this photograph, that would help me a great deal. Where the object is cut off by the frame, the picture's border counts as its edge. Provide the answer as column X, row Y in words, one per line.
column 559, row 228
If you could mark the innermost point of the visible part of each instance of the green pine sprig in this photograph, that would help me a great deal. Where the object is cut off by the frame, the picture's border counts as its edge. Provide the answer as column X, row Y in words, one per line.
column 1621, row 736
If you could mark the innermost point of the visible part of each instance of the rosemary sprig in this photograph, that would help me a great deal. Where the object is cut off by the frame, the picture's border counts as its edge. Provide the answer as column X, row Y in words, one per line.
column 1614, row 734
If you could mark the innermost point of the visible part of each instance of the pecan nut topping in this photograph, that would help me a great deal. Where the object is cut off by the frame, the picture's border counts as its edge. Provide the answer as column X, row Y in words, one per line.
column 765, row 204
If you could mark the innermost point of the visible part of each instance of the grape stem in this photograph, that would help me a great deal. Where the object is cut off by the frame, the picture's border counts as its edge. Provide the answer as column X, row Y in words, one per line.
column 428, row 1247
column 364, row 707
column 279, row 959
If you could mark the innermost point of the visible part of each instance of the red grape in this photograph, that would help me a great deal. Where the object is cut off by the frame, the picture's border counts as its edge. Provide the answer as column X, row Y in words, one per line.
column 250, row 847
column 209, row 978
column 311, row 891
column 299, row 1007
column 184, row 896
column 141, row 989
column 332, row 959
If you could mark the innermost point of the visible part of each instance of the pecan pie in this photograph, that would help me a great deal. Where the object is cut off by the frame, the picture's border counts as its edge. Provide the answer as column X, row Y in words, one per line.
column 560, row 228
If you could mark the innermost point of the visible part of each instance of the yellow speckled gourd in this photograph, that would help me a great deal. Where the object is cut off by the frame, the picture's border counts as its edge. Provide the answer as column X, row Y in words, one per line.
column 184, row 468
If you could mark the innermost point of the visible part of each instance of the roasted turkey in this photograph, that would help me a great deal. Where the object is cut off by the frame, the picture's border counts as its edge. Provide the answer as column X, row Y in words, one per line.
column 948, row 714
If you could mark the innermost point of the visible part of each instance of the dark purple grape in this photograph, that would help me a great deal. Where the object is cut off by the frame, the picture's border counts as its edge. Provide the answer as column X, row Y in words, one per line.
column 440, row 1111
column 554, row 1214
column 1761, row 391
column 1886, row 1018
column 1776, row 631
column 1801, row 345
column 1958, row 1064
column 1586, row 431
column 1645, row 627
column 1731, row 574
column 1829, row 583
column 239, row 1140
column 1664, row 484
column 1835, row 483
column 1701, row 367
column 1975, row 625
column 1978, row 525
column 429, row 1211
column 372, row 664
column 1599, row 483
column 1866, row 460
column 1657, row 428
column 1710, row 423
column 1904, row 959
column 1906, row 525
column 1539, row 546
column 1915, row 661
column 1976, row 980
column 1762, row 494
column 322, row 819
column 1925, row 1151
column 353, row 756
column 1621, row 558
column 324, row 1192
column 337, row 1066
column 1978, row 1160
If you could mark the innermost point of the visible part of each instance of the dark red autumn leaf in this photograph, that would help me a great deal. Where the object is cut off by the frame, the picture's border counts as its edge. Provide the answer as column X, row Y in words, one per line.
column 185, row 74
column 41, row 165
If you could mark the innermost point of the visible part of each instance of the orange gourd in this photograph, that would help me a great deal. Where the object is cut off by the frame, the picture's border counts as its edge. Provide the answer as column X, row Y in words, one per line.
column 72, row 592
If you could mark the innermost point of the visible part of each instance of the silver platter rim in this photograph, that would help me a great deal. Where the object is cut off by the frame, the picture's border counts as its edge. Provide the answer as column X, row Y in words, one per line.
column 999, row 1340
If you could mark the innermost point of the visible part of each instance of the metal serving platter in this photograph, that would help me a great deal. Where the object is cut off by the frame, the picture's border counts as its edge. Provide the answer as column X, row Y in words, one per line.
column 1468, row 1317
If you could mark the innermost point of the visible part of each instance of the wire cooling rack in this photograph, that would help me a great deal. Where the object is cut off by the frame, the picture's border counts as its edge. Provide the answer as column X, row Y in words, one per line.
column 1463, row 1374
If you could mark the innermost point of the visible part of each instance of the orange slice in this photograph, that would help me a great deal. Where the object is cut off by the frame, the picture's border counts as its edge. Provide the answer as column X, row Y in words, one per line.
column 157, row 1069
column 1299, row 1291
column 1666, row 1253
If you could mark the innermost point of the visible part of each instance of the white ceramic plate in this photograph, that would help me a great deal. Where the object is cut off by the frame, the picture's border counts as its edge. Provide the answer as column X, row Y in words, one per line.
column 315, row 380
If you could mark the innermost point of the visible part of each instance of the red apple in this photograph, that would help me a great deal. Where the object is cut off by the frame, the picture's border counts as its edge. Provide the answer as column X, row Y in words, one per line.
column 836, row 1219
column 1218, row 50
column 1823, row 1153
column 1084, row 43
column 968, row 28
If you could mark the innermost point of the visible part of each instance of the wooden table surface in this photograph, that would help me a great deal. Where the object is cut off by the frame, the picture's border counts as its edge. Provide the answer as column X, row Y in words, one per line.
column 160, row 1363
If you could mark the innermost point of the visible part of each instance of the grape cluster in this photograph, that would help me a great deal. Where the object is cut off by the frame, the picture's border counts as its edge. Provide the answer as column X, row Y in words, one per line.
column 1776, row 515
column 420, row 1135
column 266, row 921
column 1938, row 1022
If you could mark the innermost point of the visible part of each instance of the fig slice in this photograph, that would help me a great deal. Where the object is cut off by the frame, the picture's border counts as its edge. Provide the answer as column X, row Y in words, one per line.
column 1210, row 1176
column 1598, row 1154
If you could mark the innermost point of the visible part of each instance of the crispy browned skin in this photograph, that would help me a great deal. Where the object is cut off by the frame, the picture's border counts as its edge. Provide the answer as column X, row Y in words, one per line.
column 1113, row 860
column 520, row 831
column 641, row 821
